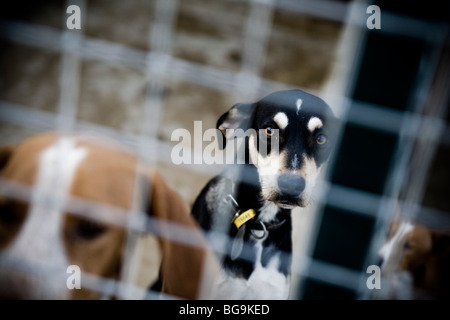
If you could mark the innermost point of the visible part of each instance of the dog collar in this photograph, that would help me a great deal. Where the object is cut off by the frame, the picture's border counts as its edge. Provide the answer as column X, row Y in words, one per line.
column 239, row 217
column 258, row 229
column 242, row 218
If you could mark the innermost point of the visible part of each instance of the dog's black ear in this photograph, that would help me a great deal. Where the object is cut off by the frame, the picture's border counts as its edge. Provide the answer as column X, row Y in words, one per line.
column 239, row 116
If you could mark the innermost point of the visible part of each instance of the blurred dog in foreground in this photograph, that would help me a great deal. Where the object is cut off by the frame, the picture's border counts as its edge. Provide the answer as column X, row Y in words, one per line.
column 78, row 191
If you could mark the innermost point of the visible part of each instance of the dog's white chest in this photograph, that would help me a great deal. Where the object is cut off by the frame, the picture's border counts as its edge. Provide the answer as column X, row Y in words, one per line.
column 265, row 283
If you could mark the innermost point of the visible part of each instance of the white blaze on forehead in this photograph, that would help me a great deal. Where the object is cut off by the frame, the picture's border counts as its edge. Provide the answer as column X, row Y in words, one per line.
column 298, row 104
column 40, row 240
column 281, row 120
column 314, row 123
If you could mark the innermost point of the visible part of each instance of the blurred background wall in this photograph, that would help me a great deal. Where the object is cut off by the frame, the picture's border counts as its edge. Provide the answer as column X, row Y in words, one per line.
column 298, row 52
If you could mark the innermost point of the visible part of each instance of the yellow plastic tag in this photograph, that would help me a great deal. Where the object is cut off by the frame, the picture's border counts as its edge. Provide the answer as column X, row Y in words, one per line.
column 244, row 217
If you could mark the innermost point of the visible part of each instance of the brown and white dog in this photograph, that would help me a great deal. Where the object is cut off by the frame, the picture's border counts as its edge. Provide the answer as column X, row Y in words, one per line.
column 415, row 262
column 39, row 232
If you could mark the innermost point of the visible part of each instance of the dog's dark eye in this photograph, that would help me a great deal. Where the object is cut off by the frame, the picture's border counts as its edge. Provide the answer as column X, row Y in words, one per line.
column 321, row 139
column 270, row 131
column 407, row 246
column 88, row 230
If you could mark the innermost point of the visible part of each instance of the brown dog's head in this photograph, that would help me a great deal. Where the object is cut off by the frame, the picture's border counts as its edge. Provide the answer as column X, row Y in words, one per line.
column 64, row 201
column 423, row 254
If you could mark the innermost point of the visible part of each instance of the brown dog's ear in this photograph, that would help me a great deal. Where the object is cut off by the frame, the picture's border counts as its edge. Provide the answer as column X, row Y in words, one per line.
column 182, row 264
column 239, row 116
column 5, row 154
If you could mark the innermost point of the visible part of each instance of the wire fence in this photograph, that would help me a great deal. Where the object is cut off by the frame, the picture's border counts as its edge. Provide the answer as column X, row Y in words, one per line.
column 421, row 129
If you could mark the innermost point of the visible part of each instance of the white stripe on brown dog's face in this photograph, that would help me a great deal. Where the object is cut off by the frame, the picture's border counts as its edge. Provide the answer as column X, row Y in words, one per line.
column 40, row 241
column 314, row 123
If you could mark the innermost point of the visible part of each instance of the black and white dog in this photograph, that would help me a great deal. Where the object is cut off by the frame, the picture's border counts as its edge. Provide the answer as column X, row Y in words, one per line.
column 287, row 140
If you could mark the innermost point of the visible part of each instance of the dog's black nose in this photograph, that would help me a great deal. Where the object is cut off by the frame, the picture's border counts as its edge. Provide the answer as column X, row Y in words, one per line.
column 291, row 184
